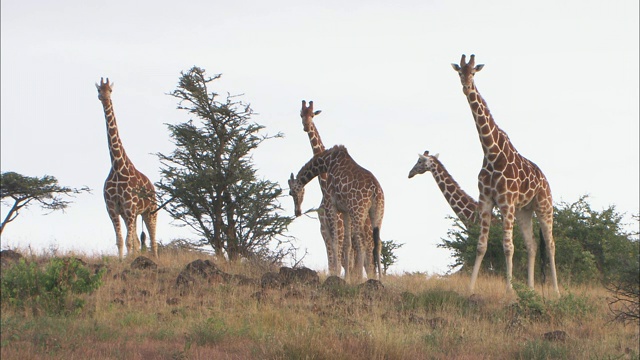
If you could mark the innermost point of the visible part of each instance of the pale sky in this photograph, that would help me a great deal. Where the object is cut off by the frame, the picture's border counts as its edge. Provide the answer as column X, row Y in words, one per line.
column 560, row 77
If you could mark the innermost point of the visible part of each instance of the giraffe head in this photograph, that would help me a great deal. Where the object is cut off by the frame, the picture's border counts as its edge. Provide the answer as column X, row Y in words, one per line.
column 104, row 89
column 296, row 190
column 467, row 70
column 425, row 163
column 307, row 114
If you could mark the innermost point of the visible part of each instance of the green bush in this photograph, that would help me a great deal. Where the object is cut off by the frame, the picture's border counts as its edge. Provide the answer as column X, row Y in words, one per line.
column 52, row 289
column 532, row 306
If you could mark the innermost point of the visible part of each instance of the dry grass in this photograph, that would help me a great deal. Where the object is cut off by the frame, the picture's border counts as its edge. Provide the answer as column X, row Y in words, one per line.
column 145, row 316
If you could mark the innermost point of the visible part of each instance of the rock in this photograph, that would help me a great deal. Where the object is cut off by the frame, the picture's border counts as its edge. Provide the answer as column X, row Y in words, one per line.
column 303, row 275
column 143, row 263
column 372, row 284
column 201, row 269
column 271, row 280
column 334, row 281
column 557, row 335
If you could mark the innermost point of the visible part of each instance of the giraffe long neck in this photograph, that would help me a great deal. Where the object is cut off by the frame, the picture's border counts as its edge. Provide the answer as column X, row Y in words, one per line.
column 314, row 138
column 462, row 203
column 489, row 132
column 317, row 165
column 119, row 159
column 318, row 148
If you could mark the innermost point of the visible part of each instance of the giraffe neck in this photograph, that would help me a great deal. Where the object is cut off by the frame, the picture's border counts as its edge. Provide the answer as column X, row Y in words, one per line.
column 314, row 138
column 119, row 159
column 492, row 138
column 462, row 203
column 318, row 148
column 317, row 165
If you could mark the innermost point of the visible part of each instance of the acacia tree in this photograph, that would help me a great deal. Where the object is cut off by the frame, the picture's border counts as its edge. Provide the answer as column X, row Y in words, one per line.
column 27, row 190
column 209, row 180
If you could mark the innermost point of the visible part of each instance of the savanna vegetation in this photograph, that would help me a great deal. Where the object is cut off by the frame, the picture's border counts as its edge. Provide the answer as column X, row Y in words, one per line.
column 178, row 309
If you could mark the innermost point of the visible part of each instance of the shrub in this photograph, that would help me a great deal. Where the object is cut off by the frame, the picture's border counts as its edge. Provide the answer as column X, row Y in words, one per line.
column 51, row 289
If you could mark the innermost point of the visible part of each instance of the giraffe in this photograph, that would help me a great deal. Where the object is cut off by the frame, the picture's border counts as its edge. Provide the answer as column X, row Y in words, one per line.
column 127, row 191
column 327, row 220
column 509, row 181
column 465, row 206
column 356, row 194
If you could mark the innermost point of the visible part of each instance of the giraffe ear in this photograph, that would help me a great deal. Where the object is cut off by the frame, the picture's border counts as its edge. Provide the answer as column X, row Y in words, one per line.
column 422, row 157
column 479, row 67
column 97, row 86
column 436, row 155
column 456, row 67
column 317, row 112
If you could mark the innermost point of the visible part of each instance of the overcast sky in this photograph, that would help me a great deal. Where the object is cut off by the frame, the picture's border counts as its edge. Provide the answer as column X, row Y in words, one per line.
column 560, row 77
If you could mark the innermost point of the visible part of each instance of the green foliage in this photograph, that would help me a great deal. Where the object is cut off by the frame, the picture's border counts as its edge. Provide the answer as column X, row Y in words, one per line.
column 210, row 182
column 52, row 289
column 590, row 245
column 23, row 190
column 387, row 257
column 569, row 306
column 530, row 304
column 463, row 239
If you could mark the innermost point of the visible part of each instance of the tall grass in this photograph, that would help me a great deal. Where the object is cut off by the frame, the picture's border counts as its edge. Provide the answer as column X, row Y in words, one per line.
column 141, row 314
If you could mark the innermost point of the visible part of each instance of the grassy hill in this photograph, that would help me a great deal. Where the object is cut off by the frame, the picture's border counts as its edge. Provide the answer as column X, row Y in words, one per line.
column 234, row 311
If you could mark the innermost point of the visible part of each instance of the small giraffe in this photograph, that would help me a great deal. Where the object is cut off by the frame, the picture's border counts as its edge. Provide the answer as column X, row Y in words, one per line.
column 327, row 220
column 465, row 207
column 127, row 191
column 356, row 194
column 509, row 181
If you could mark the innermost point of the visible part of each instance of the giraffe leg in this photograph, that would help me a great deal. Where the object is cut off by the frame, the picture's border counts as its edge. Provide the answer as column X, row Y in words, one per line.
column 369, row 256
column 335, row 242
column 524, row 218
column 375, row 216
column 346, row 245
column 115, row 219
column 546, row 225
column 150, row 220
column 485, row 223
column 508, row 217
column 358, row 263
column 327, row 235
column 133, row 243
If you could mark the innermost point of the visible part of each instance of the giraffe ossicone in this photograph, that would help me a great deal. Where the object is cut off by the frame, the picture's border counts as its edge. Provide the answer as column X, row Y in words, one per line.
column 509, row 181
column 127, row 192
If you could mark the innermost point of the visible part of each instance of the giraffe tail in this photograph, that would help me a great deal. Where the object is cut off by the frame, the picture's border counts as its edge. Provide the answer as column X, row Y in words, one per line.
column 377, row 248
column 143, row 238
column 543, row 256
